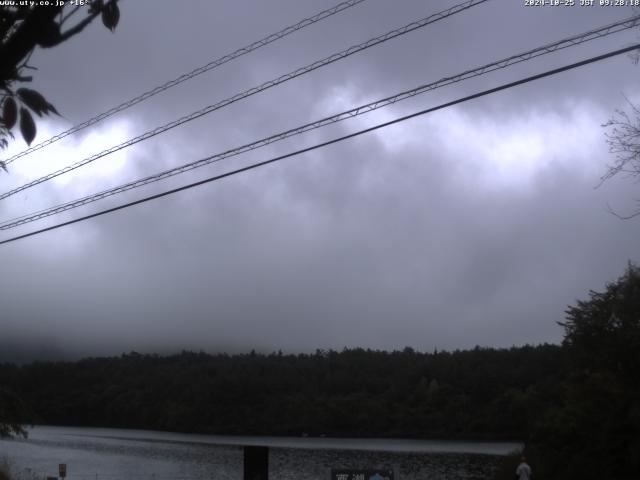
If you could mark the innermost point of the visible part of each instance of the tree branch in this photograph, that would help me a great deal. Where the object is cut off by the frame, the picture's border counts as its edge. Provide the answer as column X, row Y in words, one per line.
column 622, row 217
column 71, row 13
column 25, row 39
column 79, row 27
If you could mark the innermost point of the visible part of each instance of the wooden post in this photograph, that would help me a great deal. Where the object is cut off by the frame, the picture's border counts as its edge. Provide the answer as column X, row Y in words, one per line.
column 256, row 463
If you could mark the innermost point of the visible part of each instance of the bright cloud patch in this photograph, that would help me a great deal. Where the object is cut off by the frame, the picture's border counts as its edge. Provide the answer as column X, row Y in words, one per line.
column 513, row 151
column 500, row 152
column 70, row 150
column 82, row 181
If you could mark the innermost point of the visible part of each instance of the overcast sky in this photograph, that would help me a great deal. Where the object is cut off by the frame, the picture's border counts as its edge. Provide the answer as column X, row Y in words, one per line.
column 475, row 225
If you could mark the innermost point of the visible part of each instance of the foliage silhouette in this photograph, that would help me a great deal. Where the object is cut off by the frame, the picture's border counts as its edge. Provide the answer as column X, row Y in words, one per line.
column 22, row 29
column 594, row 431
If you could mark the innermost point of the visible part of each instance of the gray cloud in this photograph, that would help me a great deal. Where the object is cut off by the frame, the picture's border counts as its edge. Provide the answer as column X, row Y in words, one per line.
column 475, row 225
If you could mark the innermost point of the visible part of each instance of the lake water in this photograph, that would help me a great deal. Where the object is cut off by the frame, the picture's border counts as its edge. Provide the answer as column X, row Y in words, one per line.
column 111, row 454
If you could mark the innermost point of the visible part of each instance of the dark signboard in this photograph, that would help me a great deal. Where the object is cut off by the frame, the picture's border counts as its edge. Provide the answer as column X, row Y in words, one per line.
column 352, row 474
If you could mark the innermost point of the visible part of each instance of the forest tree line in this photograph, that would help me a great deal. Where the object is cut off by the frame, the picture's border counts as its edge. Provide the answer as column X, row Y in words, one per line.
column 475, row 393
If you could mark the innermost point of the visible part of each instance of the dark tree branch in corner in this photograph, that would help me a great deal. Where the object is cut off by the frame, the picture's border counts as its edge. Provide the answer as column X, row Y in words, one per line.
column 22, row 29
column 30, row 33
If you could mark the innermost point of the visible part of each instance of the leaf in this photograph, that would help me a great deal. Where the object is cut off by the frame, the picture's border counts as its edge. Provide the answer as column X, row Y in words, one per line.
column 4, row 166
column 111, row 15
column 36, row 102
column 9, row 113
column 27, row 126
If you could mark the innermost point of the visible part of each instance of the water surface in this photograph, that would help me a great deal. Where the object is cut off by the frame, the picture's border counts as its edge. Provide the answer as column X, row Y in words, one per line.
column 110, row 454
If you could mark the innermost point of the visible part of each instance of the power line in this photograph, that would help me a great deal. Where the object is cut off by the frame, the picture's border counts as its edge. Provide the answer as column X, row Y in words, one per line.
column 330, row 142
column 187, row 76
column 362, row 109
column 252, row 91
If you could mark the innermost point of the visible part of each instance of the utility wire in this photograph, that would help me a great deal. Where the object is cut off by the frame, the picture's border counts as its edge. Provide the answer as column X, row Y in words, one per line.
column 330, row 142
column 252, row 91
column 187, row 76
column 360, row 110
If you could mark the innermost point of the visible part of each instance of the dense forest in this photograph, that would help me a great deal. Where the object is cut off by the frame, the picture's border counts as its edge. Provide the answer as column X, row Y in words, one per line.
column 481, row 392
column 576, row 405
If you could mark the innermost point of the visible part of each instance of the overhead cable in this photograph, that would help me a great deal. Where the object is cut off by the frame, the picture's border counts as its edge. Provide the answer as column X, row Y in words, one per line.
column 330, row 142
column 252, row 91
column 187, row 76
column 362, row 109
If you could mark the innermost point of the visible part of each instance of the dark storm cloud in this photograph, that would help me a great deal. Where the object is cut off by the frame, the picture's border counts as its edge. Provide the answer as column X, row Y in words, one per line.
column 477, row 225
